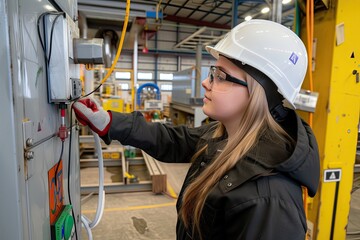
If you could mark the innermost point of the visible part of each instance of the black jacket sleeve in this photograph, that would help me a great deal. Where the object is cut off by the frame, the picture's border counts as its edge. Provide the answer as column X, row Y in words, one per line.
column 164, row 143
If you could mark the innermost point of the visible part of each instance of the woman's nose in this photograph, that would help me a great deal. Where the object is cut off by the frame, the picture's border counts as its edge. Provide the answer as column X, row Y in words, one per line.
column 206, row 84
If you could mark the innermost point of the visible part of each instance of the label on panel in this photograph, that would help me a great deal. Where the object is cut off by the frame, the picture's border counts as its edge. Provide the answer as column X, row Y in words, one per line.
column 332, row 175
column 55, row 184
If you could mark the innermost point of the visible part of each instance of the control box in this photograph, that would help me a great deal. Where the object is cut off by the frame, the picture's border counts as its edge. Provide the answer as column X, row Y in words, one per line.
column 63, row 74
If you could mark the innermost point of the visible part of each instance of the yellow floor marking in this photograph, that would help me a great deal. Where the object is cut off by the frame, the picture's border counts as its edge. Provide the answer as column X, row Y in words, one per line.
column 133, row 208
column 171, row 191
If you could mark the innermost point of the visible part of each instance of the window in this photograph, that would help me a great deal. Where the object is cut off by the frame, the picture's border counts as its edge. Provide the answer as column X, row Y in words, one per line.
column 124, row 86
column 166, row 76
column 122, row 75
column 166, row 87
column 145, row 76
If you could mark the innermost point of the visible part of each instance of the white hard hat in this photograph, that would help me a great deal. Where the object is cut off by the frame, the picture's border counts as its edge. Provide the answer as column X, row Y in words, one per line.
column 270, row 48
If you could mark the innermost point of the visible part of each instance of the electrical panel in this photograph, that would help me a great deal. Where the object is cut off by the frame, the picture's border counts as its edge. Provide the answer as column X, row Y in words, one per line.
column 62, row 73
column 68, row 6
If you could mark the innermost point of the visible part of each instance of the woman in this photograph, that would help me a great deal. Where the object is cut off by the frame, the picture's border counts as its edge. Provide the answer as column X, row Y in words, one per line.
column 247, row 167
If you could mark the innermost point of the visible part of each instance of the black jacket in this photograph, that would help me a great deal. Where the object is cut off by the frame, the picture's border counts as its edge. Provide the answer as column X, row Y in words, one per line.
column 260, row 198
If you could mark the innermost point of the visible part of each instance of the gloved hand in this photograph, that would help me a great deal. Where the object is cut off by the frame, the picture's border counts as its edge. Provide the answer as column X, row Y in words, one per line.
column 89, row 112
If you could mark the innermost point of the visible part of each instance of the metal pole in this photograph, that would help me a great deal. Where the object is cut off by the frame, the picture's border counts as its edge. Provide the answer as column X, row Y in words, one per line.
column 88, row 74
column 83, row 25
column 234, row 20
column 277, row 11
column 178, row 67
column 135, row 67
column 156, row 58
column 88, row 81
column 198, row 70
column 177, row 40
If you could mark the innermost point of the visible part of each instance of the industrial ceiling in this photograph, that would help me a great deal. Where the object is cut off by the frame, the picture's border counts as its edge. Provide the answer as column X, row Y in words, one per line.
column 205, row 16
column 210, row 13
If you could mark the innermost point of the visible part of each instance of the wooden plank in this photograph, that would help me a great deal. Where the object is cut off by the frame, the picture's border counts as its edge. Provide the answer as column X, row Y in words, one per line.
column 158, row 176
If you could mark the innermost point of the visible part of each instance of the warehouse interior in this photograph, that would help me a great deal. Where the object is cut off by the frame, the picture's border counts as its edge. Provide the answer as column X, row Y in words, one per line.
column 59, row 180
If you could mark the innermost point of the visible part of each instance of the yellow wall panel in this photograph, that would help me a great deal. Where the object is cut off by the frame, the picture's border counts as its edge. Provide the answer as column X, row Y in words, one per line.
column 324, row 33
column 337, row 113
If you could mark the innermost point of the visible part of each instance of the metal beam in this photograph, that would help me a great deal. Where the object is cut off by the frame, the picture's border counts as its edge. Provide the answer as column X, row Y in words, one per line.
column 117, row 5
column 90, row 139
column 234, row 17
column 198, row 70
column 214, row 40
column 222, row 15
column 166, row 4
column 357, row 168
column 117, row 187
column 197, row 8
column 179, row 9
column 276, row 11
column 86, row 163
column 241, row 15
column 94, row 162
column 111, row 10
column 194, row 43
column 107, row 12
column 204, row 36
column 195, row 22
column 211, row 10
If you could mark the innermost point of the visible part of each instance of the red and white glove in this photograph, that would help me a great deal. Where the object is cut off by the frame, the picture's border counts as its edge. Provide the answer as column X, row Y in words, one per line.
column 89, row 112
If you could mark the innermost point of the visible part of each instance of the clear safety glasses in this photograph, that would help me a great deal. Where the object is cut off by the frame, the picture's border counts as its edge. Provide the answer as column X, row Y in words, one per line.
column 221, row 81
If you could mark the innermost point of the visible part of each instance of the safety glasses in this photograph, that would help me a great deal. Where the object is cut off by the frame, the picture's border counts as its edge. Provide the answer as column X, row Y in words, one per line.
column 221, row 81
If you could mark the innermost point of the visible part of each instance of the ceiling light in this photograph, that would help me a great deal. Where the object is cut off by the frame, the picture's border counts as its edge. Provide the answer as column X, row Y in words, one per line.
column 265, row 10
column 285, row 1
column 248, row 18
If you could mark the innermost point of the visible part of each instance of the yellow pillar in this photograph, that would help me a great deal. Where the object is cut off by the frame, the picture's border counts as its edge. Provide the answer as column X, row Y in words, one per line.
column 336, row 31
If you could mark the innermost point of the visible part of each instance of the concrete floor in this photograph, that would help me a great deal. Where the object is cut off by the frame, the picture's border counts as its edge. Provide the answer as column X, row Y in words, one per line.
column 133, row 216
column 144, row 215
column 140, row 215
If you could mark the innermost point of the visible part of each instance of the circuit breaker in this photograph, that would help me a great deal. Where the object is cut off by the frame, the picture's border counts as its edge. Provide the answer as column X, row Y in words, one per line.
column 62, row 73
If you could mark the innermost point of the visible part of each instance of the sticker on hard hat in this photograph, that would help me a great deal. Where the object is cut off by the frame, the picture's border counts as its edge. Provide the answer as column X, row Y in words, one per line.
column 293, row 58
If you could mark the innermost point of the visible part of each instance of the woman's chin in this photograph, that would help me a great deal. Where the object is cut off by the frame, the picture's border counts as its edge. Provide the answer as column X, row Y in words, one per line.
column 207, row 112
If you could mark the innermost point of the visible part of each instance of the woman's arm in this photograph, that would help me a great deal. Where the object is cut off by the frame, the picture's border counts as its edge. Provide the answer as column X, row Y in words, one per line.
column 164, row 143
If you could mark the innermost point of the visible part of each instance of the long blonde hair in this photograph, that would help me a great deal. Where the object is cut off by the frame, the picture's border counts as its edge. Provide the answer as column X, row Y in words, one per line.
column 255, row 120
